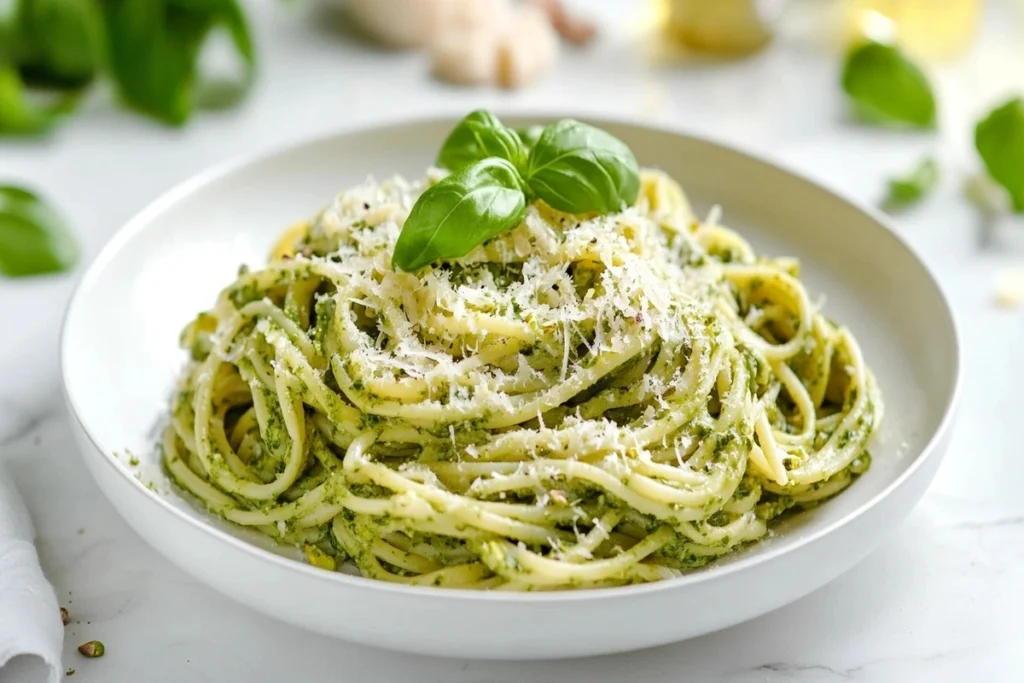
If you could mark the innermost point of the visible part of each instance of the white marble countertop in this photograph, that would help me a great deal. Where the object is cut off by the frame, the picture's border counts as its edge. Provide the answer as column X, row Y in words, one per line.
column 941, row 600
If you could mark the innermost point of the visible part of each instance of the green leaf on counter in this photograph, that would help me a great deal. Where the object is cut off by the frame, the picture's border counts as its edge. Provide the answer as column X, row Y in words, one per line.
column 887, row 87
column 221, row 93
column 476, row 137
column 999, row 139
column 57, row 43
column 911, row 188
column 20, row 115
column 154, row 48
column 577, row 168
column 34, row 239
column 460, row 213
column 8, row 30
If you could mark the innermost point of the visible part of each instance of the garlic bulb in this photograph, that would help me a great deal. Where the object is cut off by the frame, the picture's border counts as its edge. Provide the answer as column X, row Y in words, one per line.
column 528, row 47
column 493, row 41
column 472, row 42
column 576, row 30
column 465, row 58
column 475, row 15
column 399, row 23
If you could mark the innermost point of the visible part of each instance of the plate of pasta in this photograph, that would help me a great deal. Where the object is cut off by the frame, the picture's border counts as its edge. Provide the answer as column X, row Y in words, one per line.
column 481, row 387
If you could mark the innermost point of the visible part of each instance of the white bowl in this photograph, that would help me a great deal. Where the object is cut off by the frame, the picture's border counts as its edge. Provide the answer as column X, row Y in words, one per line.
column 120, row 356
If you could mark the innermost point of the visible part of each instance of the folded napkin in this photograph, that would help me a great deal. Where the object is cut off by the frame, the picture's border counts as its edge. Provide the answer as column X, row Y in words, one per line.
column 31, row 633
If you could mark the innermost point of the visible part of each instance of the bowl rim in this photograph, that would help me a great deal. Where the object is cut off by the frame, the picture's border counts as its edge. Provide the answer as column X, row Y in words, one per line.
column 143, row 218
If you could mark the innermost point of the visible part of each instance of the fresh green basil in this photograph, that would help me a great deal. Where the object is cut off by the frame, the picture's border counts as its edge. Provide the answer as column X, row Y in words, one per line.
column 479, row 136
column 21, row 116
column 8, row 31
column 461, row 212
column 33, row 237
column 572, row 166
column 529, row 136
column 150, row 48
column 54, row 42
column 886, row 87
column 154, row 46
column 999, row 139
column 912, row 187
column 225, row 92
column 580, row 169
column 57, row 43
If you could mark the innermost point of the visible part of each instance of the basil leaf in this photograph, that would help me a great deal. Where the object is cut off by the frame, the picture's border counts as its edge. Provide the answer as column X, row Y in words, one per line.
column 33, row 237
column 478, row 136
column 20, row 116
column 460, row 213
column 8, row 30
column 999, row 139
column 914, row 186
column 228, row 14
column 58, row 42
column 223, row 92
column 529, row 136
column 887, row 87
column 577, row 168
column 154, row 50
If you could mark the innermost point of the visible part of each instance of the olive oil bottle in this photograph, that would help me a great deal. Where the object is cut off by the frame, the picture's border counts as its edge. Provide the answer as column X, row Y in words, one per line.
column 727, row 27
column 929, row 29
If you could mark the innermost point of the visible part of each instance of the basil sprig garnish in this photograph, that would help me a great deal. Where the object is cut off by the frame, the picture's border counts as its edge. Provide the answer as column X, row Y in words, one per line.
column 571, row 166
column 33, row 237
column 477, row 137
column 886, row 87
column 462, row 211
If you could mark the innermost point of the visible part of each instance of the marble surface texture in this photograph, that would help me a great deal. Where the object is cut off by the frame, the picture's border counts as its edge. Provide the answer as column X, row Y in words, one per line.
column 942, row 598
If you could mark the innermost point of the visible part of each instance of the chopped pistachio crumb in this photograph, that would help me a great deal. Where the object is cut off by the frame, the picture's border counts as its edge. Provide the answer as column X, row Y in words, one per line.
column 92, row 649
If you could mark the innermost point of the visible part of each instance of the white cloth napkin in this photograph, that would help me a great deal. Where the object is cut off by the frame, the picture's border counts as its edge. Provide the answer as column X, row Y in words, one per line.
column 31, row 633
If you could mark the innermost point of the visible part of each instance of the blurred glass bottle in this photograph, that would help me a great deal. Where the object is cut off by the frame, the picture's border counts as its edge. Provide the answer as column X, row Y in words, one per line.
column 930, row 29
column 732, row 27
